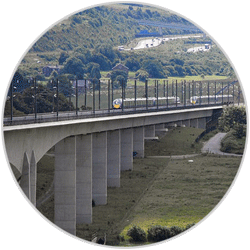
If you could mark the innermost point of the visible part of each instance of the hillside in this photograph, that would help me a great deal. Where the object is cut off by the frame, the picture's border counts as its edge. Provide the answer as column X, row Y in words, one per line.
column 86, row 43
column 111, row 24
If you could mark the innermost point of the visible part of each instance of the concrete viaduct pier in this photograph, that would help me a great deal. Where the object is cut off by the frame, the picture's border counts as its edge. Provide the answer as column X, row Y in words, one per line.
column 89, row 155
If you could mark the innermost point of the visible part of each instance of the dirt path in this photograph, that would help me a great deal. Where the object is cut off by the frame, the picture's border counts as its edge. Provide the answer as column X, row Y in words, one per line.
column 213, row 145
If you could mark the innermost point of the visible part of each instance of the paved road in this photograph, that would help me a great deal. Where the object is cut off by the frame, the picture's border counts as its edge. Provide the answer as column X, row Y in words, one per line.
column 213, row 145
column 154, row 42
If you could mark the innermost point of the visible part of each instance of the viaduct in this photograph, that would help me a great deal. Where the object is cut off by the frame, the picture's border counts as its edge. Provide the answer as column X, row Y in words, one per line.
column 89, row 155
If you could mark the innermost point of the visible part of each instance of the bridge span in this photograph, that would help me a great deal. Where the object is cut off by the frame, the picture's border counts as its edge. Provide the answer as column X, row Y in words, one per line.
column 89, row 155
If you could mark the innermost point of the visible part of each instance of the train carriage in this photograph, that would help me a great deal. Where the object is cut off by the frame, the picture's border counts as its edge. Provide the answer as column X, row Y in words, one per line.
column 224, row 99
column 142, row 102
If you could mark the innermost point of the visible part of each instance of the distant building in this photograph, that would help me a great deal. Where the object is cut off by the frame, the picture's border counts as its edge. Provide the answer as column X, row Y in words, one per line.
column 48, row 69
column 120, row 66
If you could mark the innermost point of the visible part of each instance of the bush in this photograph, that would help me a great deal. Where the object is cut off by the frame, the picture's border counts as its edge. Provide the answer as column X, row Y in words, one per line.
column 174, row 230
column 137, row 234
column 233, row 118
column 189, row 226
column 231, row 144
column 158, row 233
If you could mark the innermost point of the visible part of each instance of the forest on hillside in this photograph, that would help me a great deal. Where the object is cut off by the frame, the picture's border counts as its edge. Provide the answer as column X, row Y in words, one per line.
column 86, row 44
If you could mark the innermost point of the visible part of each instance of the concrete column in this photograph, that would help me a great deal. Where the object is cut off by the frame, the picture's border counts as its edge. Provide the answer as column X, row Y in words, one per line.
column 84, row 179
column 186, row 123
column 171, row 124
column 202, row 123
column 179, row 123
column 99, row 168
column 126, row 149
column 65, row 184
column 159, row 126
column 114, row 158
column 150, row 131
column 33, row 178
column 194, row 123
column 25, row 178
column 138, row 142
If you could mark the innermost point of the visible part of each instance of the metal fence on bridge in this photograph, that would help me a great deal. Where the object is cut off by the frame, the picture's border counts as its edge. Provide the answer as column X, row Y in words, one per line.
column 90, row 98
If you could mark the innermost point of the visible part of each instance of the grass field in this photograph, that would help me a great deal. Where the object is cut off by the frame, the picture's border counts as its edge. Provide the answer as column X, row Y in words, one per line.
column 158, row 191
column 184, row 193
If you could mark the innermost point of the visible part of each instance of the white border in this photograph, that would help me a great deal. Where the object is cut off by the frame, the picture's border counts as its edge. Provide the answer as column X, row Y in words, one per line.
column 22, row 22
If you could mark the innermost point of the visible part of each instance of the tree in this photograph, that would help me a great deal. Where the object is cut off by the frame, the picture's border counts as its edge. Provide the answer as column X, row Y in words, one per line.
column 142, row 75
column 118, row 78
column 180, row 70
column 132, row 64
column 63, row 57
column 46, row 101
column 95, row 72
column 102, row 60
column 74, row 66
column 154, row 68
column 233, row 118
column 107, row 51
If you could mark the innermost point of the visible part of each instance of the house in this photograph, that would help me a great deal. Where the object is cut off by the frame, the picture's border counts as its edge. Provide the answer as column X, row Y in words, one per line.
column 48, row 69
column 120, row 66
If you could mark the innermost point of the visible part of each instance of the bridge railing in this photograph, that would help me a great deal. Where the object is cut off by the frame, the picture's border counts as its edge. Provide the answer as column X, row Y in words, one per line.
column 89, row 98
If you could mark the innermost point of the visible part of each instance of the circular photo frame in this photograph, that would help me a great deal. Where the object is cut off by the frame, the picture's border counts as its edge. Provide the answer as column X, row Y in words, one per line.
column 125, row 124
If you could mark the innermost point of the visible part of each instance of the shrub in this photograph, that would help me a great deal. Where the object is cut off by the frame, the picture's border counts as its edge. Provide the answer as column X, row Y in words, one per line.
column 120, row 238
column 174, row 230
column 137, row 234
column 189, row 226
column 158, row 233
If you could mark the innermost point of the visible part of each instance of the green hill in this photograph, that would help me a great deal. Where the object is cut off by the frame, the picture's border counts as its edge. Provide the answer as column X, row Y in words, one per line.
column 90, row 39
column 111, row 24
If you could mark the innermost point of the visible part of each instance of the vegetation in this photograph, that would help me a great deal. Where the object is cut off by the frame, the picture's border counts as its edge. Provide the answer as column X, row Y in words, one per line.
column 234, row 118
column 46, row 102
column 118, row 78
column 92, row 36
column 137, row 234
column 232, row 144
column 233, row 121
column 179, row 141
column 157, row 194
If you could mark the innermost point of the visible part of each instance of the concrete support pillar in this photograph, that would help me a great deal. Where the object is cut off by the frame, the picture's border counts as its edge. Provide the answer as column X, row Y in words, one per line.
column 194, row 123
column 138, row 142
column 186, row 123
column 202, row 123
column 171, row 124
column 65, row 184
column 25, row 178
column 127, row 149
column 114, row 158
column 33, row 178
column 84, row 179
column 150, row 131
column 99, row 168
column 179, row 123
column 160, row 128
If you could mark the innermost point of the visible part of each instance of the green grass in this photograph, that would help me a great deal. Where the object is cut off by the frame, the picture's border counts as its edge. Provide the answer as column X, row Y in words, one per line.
column 178, row 141
column 198, row 78
column 157, row 192
column 184, row 193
